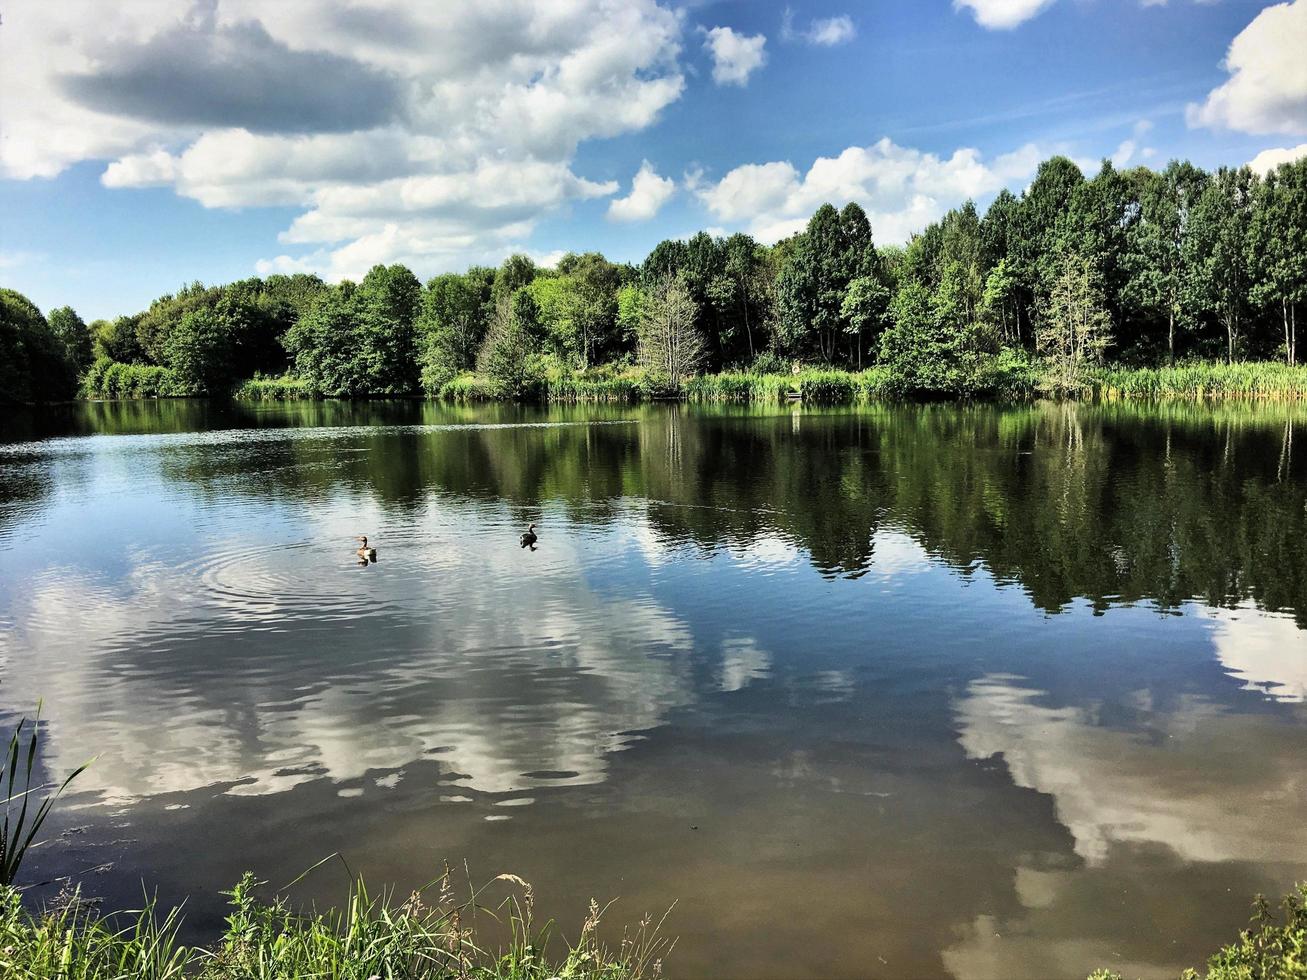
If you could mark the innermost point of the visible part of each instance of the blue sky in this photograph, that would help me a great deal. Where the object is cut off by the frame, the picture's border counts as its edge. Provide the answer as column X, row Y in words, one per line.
column 223, row 138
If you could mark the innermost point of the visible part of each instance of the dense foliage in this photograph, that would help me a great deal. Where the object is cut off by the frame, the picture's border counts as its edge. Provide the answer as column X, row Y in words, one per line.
column 1137, row 268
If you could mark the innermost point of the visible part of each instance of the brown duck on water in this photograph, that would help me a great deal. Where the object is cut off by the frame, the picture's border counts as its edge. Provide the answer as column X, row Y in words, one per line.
column 365, row 553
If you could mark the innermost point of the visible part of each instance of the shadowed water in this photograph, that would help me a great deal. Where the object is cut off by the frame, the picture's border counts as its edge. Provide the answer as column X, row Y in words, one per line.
column 923, row 691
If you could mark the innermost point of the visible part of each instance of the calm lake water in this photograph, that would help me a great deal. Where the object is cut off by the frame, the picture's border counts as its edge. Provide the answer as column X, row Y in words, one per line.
column 930, row 691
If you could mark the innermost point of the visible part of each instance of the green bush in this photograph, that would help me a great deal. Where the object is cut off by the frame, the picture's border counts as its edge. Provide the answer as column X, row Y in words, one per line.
column 114, row 379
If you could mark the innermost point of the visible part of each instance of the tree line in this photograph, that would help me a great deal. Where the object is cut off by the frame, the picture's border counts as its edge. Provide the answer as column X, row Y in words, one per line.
column 1138, row 266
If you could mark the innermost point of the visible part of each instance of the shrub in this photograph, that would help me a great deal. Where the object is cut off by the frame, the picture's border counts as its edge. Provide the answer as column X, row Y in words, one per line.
column 114, row 379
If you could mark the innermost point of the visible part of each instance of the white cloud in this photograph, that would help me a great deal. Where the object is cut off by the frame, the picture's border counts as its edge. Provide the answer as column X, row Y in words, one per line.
column 1268, row 160
column 463, row 117
column 1267, row 89
column 735, row 56
column 831, row 31
column 1002, row 14
column 1130, row 148
column 824, row 32
column 901, row 188
column 649, row 192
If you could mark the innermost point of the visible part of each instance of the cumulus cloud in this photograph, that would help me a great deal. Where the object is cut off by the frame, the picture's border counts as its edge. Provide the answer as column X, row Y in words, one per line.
column 435, row 134
column 824, row 32
column 1002, row 14
column 901, row 188
column 649, row 193
column 735, row 56
column 206, row 74
column 1267, row 89
column 1268, row 160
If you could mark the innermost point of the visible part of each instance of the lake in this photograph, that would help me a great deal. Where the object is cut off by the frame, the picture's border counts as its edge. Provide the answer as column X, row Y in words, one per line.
column 913, row 691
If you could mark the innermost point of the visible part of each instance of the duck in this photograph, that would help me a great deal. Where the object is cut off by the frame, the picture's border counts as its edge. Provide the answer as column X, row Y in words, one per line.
column 528, row 538
column 365, row 553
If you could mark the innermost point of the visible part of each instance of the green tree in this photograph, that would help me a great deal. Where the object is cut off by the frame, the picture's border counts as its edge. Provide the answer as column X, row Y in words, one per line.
column 509, row 356
column 1157, row 253
column 1218, row 249
column 1277, row 247
column 864, row 310
column 388, row 299
column 452, row 324
column 925, row 352
column 1074, row 324
column 578, row 308
column 34, row 366
column 998, row 304
column 198, row 351
column 671, row 346
column 1037, row 231
column 834, row 249
column 327, row 348
column 72, row 332
column 517, row 271
column 116, row 340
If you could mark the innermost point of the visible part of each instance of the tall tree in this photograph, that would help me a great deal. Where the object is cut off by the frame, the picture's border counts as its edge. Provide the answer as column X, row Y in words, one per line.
column 1156, row 252
column 1075, row 324
column 509, row 353
column 391, row 295
column 33, row 363
column 452, row 323
column 671, row 346
column 515, row 272
column 1277, row 247
column 1218, row 249
column 1037, row 231
column 72, row 332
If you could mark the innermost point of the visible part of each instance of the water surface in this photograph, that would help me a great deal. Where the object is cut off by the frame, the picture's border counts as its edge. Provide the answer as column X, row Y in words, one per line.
column 924, row 691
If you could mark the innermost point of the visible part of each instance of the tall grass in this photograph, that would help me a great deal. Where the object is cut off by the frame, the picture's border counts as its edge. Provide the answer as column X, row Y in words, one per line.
column 466, row 387
column 1205, row 380
column 430, row 935
column 285, row 388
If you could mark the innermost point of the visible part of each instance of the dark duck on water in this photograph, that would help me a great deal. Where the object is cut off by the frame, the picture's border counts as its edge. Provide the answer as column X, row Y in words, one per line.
column 528, row 538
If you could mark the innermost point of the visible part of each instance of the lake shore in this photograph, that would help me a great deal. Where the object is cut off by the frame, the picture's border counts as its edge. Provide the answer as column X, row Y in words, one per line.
column 1195, row 381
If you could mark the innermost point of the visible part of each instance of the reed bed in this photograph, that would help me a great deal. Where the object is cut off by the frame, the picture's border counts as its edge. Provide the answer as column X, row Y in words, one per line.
column 285, row 388
column 1205, row 380
column 430, row 935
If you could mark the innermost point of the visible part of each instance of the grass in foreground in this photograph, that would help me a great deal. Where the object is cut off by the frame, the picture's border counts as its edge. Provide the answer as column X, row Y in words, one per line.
column 429, row 936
